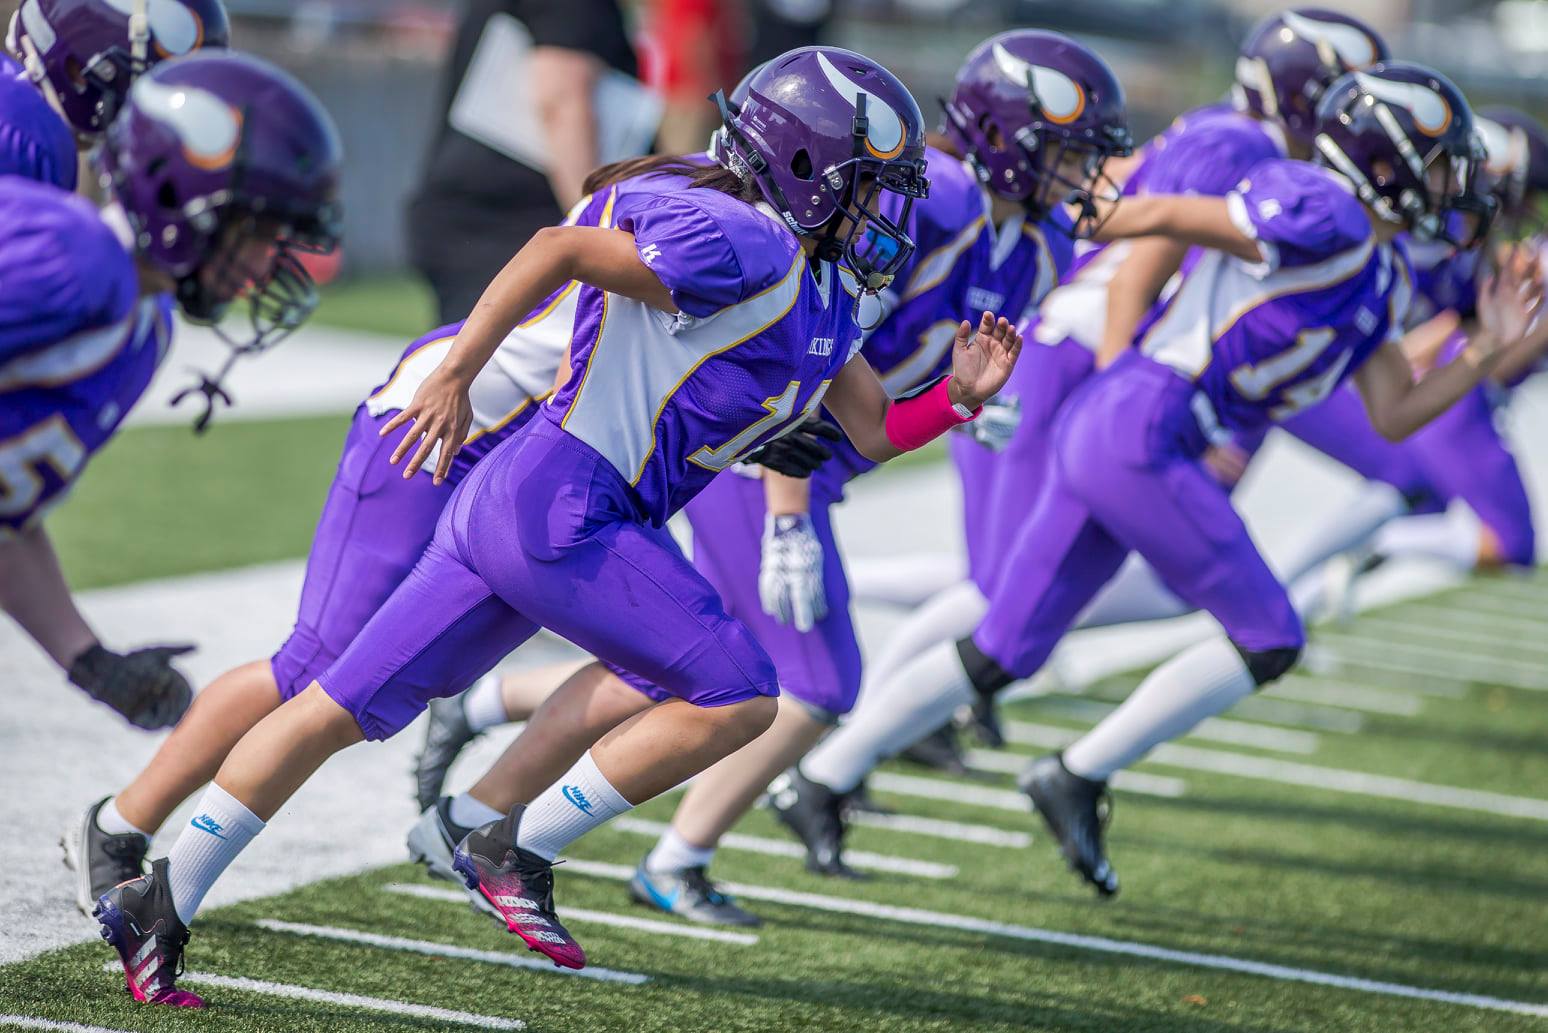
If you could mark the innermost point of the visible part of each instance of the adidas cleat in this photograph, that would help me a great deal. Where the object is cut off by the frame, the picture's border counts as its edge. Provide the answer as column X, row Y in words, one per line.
column 140, row 923
column 100, row 861
column 445, row 738
column 689, row 894
column 815, row 814
column 519, row 886
column 938, row 750
column 1076, row 811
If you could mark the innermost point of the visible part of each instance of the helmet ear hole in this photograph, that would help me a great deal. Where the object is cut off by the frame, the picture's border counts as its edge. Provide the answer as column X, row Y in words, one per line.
column 166, row 196
column 801, row 164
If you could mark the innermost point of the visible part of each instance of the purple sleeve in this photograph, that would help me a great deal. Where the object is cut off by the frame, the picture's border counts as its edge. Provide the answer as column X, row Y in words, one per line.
column 1298, row 213
column 687, row 249
column 63, row 269
column 34, row 142
column 1209, row 160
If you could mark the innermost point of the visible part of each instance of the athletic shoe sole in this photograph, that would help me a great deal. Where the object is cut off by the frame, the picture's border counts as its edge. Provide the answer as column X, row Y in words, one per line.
column 70, row 842
column 463, row 864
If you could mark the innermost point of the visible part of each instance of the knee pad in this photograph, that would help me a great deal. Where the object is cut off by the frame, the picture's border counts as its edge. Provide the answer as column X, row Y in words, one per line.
column 1267, row 665
column 985, row 672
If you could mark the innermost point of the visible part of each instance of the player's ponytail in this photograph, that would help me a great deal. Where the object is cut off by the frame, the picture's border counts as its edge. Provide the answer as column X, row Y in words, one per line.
column 709, row 177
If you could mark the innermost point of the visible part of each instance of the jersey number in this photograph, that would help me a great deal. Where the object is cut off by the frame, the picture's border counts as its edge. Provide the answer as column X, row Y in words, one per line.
column 51, row 443
column 779, row 409
column 1255, row 382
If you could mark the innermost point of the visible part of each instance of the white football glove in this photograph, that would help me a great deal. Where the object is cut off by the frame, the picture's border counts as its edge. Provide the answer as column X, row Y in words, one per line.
column 996, row 424
column 790, row 573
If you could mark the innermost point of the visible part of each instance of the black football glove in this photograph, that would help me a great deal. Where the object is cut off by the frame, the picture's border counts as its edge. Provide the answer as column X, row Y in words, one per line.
column 143, row 686
column 800, row 452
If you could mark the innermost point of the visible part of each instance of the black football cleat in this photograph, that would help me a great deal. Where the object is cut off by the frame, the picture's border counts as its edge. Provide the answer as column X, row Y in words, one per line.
column 938, row 750
column 100, row 861
column 984, row 720
column 445, row 737
column 140, row 923
column 1076, row 810
column 519, row 885
column 860, row 801
column 815, row 814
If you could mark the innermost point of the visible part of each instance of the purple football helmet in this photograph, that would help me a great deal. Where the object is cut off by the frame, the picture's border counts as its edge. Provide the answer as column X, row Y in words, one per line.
column 1406, row 138
column 1290, row 58
column 823, row 132
column 1026, row 99
column 85, row 54
column 1517, row 146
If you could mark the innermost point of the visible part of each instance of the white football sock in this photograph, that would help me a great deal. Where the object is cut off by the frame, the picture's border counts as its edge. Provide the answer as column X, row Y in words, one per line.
column 221, row 828
column 673, row 853
column 568, row 809
column 910, row 705
column 114, row 824
column 1201, row 681
column 1135, row 594
column 903, row 580
column 950, row 615
column 471, row 813
column 1453, row 537
column 1346, row 528
column 484, row 705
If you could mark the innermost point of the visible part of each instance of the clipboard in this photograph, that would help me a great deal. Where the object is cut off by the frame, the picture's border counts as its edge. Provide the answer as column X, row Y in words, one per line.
column 493, row 104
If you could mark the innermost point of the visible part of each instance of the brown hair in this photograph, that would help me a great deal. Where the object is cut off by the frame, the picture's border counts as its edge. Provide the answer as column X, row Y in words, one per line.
column 942, row 142
column 709, row 177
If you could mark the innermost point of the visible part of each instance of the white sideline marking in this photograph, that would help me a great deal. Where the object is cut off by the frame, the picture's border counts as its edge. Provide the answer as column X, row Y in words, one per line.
column 1520, row 646
column 576, row 914
column 28, row 1022
column 1007, row 799
column 956, row 831
column 1520, row 591
column 1287, row 712
column 307, row 993
column 446, row 950
column 1269, row 769
column 1450, row 615
column 1483, row 602
column 1223, row 962
column 780, row 848
column 1420, row 678
column 1343, row 694
column 1215, row 729
column 1457, row 665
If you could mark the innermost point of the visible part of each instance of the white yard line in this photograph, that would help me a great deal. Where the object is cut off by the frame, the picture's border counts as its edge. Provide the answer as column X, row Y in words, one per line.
column 1437, row 661
column 1483, row 602
column 307, row 993
column 1328, row 693
column 1286, row 772
column 1214, row 729
column 1006, row 799
column 1521, row 647
column 956, row 831
column 1443, row 615
column 1421, row 678
column 447, row 950
column 29, row 1022
column 1521, row 590
column 1285, row 712
column 785, row 848
column 575, row 914
column 1101, row 944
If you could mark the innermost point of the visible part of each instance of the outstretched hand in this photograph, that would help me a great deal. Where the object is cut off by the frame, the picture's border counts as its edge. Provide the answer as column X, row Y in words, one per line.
column 441, row 414
column 982, row 361
column 1509, row 300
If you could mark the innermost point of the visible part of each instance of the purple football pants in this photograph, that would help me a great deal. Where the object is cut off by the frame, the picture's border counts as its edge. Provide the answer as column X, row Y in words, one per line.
column 1124, row 476
column 820, row 668
column 544, row 533
column 1340, row 429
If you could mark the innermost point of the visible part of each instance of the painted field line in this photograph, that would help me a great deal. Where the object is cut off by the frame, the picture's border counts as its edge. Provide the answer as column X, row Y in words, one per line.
column 1420, row 678
column 1484, row 602
column 784, row 848
column 1451, row 615
column 1460, row 666
column 956, row 831
column 1006, row 799
column 575, row 914
column 1309, row 715
column 445, row 950
column 307, row 993
column 1523, row 648
column 1286, row 772
column 29, row 1022
column 1329, row 693
column 1518, row 590
column 1214, row 729
column 1101, row 944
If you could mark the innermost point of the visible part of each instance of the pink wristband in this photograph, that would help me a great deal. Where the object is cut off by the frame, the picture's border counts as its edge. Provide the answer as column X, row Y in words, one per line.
column 917, row 421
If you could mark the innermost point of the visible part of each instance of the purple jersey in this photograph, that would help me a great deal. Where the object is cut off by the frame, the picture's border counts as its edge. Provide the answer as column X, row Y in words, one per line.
column 34, row 141
column 1264, row 340
column 669, row 400
column 1205, row 151
column 1444, row 278
column 78, row 345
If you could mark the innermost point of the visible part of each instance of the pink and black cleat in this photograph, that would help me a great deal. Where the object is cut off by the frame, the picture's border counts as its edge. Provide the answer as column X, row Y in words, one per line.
column 140, row 923
column 520, row 886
